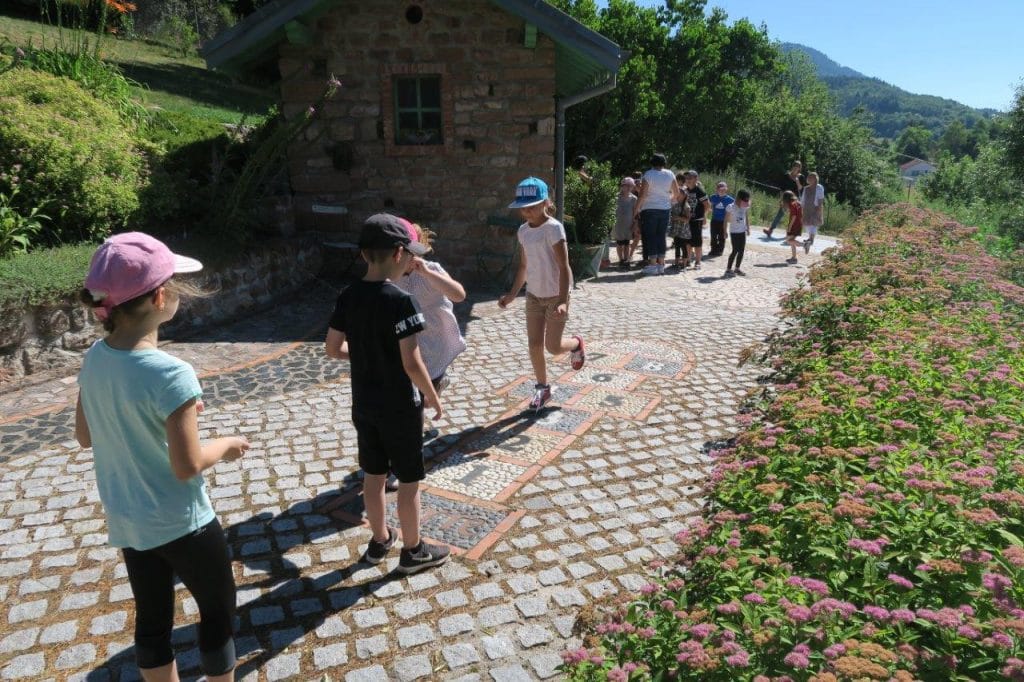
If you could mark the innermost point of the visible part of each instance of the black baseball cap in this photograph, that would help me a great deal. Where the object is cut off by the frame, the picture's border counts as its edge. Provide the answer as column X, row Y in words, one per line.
column 386, row 231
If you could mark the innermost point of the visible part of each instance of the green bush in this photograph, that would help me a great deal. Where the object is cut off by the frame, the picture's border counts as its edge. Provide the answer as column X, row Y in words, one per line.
column 44, row 276
column 17, row 229
column 590, row 204
column 68, row 153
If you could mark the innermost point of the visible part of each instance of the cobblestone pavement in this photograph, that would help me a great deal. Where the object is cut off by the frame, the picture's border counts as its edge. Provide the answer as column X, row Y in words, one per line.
column 546, row 514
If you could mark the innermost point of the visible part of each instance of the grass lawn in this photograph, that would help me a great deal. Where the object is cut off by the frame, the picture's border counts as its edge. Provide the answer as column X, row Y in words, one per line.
column 167, row 80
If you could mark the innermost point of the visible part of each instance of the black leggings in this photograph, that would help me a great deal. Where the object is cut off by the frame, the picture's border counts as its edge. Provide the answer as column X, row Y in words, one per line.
column 201, row 560
column 739, row 242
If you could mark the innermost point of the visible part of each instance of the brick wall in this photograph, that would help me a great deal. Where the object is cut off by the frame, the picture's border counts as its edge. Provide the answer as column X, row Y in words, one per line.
column 498, row 105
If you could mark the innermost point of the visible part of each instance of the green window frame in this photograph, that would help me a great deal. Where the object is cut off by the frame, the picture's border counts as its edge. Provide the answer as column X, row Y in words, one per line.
column 418, row 110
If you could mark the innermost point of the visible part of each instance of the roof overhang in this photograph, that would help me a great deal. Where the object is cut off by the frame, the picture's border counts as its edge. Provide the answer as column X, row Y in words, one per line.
column 584, row 58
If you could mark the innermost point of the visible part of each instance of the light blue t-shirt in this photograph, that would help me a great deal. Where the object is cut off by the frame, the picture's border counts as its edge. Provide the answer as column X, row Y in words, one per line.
column 127, row 397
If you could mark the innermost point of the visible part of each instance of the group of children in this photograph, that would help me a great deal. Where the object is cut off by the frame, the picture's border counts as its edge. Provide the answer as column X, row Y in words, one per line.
column 677, row 206
column 138, row 407
column 644, row 206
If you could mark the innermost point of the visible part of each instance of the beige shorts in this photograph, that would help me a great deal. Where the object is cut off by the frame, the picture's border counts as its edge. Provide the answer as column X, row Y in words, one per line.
column 543, row 307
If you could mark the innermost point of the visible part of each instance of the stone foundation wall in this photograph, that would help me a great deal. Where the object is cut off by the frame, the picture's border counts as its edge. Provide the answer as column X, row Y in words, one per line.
column 39, row 340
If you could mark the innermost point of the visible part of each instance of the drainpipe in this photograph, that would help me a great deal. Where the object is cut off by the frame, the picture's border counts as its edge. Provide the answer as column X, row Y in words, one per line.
column 561, row 104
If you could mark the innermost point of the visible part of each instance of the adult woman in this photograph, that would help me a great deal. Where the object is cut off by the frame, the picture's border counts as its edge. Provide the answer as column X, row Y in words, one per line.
column 658, row 191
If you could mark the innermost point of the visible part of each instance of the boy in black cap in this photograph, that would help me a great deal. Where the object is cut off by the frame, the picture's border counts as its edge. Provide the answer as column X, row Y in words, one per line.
column 374, row 326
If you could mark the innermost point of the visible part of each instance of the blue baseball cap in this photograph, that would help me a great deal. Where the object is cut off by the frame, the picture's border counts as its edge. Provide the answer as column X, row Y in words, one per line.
column 530, row 192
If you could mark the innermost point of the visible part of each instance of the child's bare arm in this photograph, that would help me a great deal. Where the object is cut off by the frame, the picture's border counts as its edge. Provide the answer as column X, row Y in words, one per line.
column 517, row 282
column 564, row 275
column 82, row 434
column 413, row 365
column 190, row 457
column 442, row 282
column 336, row 345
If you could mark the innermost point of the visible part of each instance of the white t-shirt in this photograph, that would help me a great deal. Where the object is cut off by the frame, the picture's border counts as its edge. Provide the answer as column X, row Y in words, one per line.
column 659, row 189
column 541, row 266
column 737, row 217
column 441, row 340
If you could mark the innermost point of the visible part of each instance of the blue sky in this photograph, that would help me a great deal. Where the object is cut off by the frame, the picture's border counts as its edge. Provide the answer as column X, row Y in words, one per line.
column 970, row 52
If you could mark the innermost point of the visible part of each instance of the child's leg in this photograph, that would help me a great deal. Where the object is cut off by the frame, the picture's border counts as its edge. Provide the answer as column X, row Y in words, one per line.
column 201, row 561
column 373, row 500
column 739, row 245
column 152, row 582
column 409, row 512
column 554, row 327
column 535, row 337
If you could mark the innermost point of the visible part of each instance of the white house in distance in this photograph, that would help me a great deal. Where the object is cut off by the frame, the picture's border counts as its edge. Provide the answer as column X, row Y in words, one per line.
column 912, row 170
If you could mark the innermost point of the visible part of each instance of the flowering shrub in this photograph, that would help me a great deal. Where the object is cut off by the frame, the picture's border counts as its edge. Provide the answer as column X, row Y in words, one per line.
column 65, row 150
column 870, row 524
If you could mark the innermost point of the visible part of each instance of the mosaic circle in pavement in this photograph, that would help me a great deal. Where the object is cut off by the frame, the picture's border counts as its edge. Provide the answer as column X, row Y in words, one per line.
column 622, row 403
column 519, row 445
column 473, row 475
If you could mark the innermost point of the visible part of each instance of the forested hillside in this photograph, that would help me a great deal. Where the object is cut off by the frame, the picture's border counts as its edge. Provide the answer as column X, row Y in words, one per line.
column 890, row 109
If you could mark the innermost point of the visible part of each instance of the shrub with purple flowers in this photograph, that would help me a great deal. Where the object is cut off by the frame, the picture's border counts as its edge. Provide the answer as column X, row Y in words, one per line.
column 870, row 523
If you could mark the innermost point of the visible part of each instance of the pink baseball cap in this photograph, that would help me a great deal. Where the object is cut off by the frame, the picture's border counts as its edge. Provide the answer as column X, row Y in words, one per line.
column 413, row 235
column 128, row 265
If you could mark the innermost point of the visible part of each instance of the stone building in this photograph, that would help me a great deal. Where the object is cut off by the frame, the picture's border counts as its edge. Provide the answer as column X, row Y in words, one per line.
column 444, row 106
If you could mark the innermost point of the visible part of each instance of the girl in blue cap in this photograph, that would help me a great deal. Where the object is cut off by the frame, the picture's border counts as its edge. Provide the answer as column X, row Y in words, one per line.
column 544, row 268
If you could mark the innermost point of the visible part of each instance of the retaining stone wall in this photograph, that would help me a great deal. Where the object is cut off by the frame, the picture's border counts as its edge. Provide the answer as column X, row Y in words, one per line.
column 41, row 339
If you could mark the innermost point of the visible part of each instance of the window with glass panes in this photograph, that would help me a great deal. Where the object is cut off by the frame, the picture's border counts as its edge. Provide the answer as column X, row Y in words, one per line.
column 418, row 110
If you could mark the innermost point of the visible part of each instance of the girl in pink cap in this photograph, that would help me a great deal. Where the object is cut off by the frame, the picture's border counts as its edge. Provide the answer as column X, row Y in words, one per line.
column 138, row 410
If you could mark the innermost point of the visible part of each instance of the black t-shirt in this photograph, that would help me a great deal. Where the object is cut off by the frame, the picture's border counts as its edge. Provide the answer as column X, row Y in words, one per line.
column 374, row 316
column 695, row 197
column 789, row 184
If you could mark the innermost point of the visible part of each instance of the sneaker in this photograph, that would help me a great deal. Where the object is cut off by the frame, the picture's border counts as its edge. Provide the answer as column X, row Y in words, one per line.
column 767, row 232
column 807, row 244
column 740, row 272
column 728, row 273
column 579, row 356
column 696, row 266
column 376, row 551
column 541, row 395
column 425, row 556
column 648, row 269
column 791, row 260
column 661, row 269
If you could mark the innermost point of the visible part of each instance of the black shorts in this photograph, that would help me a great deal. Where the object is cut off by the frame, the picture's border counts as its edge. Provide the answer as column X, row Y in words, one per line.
column 696, row 233
column 622, row 242
column 392, row 442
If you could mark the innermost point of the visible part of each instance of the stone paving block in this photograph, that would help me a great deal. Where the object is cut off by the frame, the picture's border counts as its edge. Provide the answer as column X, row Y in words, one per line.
column 571, row 596
column 79, row 600
column 333, row 626
column 449, row 626
column 18, row 641
column 521, row 584
column 413, row 667
column 611, row 563
column 533, row 635
column 486, row 591
column 410, row 608
column 75, row 656
column 415, row 635
column 371, row 646
column 545, row 663
column 460, row 655
column 266, row 615
column 531, row 607
column 375, row 673
column 25, row 666
column 493, row 616
column 282, row 666
column 108, row 623
column 580, row 570
column 282, row 639
column 451, row 599
column 368, row 618
column 510, row 673
column 29, row 610
column 422, row 581
column 330, row 656
column 59, row 632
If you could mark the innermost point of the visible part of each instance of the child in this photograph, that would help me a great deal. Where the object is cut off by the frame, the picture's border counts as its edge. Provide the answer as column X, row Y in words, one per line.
column 699, row 206
column 544, row 268
column 739, row 230
column 635, row 244
column 623, row 230
column 813, row 204
column 680, row 226
column 720, row 201
column 793, row 182
column 435, row 291
column 796, row 224
column 374, row 325
column 137, row 409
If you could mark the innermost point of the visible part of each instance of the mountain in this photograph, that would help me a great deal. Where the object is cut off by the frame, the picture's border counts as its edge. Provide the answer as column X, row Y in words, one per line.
column 890, row 109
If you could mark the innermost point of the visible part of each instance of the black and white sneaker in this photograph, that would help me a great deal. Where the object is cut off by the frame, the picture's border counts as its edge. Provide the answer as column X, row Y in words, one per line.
column 376, row 551
column 422, row 557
